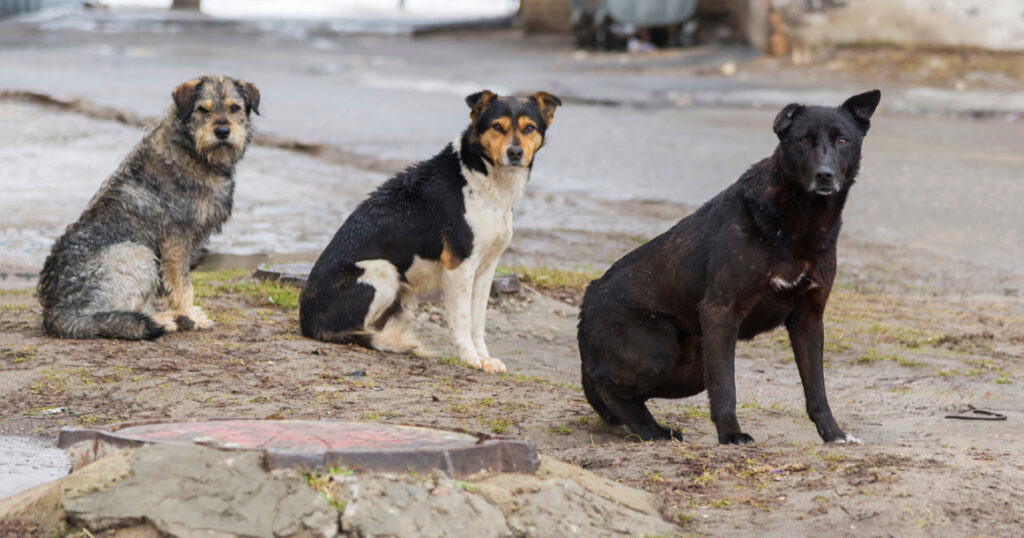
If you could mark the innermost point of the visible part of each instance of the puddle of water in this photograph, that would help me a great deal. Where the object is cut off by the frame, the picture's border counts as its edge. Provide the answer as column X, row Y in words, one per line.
column 26, row 462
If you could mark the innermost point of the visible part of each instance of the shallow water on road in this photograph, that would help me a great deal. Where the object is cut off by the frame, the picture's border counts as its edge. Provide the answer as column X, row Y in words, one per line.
column 26, row 462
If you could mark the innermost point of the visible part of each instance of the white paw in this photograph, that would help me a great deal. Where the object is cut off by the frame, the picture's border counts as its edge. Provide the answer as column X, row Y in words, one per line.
column 422, row 352
column 166, row 321
column 848, row 440
column 198, row 317
column 493, row 366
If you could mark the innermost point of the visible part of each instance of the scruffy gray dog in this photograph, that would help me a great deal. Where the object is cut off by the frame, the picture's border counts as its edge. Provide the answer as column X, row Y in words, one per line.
column 122, row 270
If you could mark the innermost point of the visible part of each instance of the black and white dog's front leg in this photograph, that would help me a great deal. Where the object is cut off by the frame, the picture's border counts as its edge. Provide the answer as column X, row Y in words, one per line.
column 458, row 285
column 481, row 292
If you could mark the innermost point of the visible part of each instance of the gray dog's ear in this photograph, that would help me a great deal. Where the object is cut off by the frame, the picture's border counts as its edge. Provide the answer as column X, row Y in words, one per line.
column 785, row 118
column 251, row 94
column 862, row 106
column 185, row 98
column 478, row 102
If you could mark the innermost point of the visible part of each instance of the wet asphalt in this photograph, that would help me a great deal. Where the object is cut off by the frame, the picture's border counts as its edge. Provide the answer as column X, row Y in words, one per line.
column 633, row 128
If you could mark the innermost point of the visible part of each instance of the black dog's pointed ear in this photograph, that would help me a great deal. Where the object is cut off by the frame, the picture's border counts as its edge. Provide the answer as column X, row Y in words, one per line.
column 185, row 98
column 478, row 102
column 785, row 118
column 547, row 103
column 251, row 94
column 863, row 105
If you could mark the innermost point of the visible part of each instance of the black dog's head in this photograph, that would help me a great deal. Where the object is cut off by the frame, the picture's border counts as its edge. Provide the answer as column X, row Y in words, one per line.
column 508, row 131
column 214, row 111
column 819, row 147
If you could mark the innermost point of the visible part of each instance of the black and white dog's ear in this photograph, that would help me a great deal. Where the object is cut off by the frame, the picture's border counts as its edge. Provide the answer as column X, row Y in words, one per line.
column 785, row 118
column 478, row 102
column 547, row 104
column 862, row 106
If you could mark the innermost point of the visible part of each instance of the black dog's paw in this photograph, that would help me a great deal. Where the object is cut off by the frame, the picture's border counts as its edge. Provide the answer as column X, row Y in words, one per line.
column 736, row 439
column 658, row 433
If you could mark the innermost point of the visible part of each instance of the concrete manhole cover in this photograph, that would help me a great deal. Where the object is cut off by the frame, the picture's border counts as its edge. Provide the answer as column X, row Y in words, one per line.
column 315, row 444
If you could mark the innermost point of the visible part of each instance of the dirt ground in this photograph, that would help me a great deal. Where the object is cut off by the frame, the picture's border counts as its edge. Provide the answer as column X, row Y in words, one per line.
column 897, row 363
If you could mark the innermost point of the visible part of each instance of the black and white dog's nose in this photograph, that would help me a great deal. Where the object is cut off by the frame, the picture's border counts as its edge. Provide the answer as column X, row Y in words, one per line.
column 515, row 153
column 222, row 132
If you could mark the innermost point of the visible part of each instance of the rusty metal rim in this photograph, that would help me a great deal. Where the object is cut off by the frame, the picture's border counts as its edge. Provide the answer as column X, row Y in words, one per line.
column 486, row 453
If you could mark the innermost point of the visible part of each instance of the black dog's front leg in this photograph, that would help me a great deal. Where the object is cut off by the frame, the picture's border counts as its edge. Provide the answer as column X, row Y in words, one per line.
column 807, row 335
column 721, row 328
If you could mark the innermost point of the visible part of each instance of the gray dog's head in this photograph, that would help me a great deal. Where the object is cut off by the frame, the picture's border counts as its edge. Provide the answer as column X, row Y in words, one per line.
column 214, row 110
column 819, row 147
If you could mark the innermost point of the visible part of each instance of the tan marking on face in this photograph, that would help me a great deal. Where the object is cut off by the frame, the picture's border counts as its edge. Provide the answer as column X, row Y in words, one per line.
column 448, row 258
column 530, row 142
column 495, row 142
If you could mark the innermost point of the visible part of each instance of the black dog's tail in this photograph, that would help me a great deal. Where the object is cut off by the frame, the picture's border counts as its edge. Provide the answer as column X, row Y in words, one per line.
column 114, row 324
column 589, row 388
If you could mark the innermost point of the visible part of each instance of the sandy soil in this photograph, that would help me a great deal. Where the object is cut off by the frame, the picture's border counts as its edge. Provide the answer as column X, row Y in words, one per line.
column 897, row 364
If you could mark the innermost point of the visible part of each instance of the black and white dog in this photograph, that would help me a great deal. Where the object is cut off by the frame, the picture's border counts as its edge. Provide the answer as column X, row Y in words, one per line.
column 663, row 321
column 440, row 224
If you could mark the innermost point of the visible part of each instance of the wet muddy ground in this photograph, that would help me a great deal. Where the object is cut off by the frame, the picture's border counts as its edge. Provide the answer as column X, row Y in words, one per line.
column 897, row 364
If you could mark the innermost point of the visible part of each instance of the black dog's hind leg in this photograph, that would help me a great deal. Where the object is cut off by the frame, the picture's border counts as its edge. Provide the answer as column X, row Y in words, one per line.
column 634, row 414
column 807, row 335
column 721, row 328
column 594, row 398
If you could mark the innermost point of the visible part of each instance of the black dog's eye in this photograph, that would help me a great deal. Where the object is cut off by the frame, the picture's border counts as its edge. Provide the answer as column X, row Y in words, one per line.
column 498, row 127
column 805, row 140
column 842, row 141
column 202, row 109
column 235, row 108
column 529, row 129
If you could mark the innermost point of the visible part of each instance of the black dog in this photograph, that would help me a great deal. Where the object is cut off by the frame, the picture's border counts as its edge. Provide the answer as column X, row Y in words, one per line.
column 663, row 321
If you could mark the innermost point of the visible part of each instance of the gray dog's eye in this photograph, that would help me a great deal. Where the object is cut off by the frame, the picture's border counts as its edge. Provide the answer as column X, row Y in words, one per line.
column 235, row 108
column 842, row 141
column 202, row 110
column 805, row 140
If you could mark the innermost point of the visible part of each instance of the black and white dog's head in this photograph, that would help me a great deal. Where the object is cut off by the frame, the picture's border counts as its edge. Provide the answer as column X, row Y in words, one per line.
column 506, row 131
column 819, row 147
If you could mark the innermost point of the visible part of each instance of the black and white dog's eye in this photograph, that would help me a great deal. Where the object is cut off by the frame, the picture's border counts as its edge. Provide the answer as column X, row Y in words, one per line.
column 529, row 129
column 235, row 108
column 842, row 141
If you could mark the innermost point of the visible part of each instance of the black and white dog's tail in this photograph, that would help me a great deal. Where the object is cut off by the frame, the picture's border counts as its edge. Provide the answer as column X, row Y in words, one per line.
column 113, row 324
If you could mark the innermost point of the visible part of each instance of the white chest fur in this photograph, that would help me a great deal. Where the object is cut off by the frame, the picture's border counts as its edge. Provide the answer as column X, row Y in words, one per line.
column 489, row 200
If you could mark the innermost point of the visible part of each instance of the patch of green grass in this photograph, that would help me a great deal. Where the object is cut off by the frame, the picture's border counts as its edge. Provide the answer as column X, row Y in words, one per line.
column 263, row 292
column 496, row 425
column 559, row 430
column 321, row 483
column 904, row 336
column 872, row 355
column 1004, row 380
column 552, row 277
